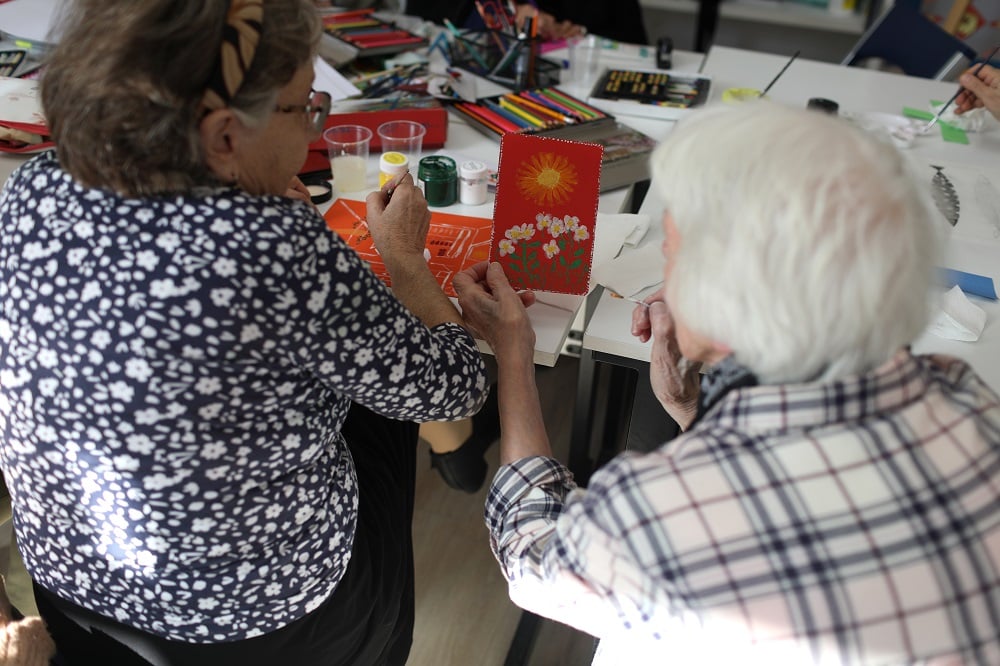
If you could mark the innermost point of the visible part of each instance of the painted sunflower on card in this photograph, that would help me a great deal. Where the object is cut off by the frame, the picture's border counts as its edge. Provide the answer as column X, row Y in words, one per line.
column 545, row 212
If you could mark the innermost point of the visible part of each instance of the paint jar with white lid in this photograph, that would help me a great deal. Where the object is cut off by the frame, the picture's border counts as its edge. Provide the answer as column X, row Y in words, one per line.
column 472, row 183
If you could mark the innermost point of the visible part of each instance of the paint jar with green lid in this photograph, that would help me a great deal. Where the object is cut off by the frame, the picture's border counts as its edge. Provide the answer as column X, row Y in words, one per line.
column 438, row 177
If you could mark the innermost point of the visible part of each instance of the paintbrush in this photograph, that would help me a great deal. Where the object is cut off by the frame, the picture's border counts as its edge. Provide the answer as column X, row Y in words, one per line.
column 615, row 294
column 775, row 79
column 937, row 116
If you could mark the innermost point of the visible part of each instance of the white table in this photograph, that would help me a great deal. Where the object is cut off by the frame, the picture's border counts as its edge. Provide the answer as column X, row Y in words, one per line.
column 553, row 315
column 855, row 90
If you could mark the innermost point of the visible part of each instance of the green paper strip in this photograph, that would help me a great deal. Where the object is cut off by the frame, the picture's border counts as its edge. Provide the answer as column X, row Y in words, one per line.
column 910, row 112
column 953, row 134
column 949, row 132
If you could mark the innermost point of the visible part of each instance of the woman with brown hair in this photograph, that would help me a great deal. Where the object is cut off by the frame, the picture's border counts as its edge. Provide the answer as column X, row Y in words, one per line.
column 181, row 341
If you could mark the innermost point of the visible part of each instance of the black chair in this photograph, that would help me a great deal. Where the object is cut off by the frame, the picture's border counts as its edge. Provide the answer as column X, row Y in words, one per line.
column 905, row 38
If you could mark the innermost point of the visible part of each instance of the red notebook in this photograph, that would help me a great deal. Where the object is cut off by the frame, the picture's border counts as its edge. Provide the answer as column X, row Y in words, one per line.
column 545, row 212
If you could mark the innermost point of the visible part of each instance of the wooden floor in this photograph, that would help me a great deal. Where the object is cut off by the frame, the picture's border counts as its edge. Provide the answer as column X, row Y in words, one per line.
column 463, row 614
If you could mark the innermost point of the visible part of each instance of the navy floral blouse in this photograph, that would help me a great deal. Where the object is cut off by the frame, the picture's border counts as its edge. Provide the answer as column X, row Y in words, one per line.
column 174, row 374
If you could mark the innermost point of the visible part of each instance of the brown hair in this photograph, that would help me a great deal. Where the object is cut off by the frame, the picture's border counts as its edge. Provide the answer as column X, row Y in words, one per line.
column 123, row 87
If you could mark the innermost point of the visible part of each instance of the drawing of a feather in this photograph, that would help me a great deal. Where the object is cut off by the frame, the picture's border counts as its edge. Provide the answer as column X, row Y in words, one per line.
column 945, row 196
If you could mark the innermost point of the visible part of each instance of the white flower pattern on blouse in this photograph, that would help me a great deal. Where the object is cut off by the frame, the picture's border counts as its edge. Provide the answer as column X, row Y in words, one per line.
column 174, row 374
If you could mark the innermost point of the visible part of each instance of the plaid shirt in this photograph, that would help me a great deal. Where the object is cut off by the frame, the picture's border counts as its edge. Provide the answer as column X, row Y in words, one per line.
column 854, row 521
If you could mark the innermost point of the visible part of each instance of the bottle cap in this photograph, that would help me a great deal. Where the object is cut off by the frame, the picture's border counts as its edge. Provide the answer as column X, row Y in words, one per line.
column 393, row 162
column 472, row 169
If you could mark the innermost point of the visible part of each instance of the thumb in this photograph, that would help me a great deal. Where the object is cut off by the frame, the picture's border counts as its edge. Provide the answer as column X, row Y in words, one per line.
column 972, row 83
column 659, row 316
column 498, row 282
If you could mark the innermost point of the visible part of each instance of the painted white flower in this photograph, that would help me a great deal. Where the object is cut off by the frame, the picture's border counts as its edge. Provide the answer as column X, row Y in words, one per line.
column 507, row 246
column 571, row 221
column 581, row 233
column 542, row 220
column 557, row 228
column 551, row 248
column 525, row 231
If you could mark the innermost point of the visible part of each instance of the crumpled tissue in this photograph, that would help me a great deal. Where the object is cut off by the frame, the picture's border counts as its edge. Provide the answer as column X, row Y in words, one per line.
column 970, row 121
column 959, row 318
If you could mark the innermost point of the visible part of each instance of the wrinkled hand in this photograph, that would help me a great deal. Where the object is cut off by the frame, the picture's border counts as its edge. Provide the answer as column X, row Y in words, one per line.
column 641, row 326
column 674, row 379
column 494, row 311
column 399, row 224
column 980, row 90
column 298, row 190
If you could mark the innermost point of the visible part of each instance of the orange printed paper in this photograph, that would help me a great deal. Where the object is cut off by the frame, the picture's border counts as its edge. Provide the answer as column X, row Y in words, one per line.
column 545, row 212
column 454, row 242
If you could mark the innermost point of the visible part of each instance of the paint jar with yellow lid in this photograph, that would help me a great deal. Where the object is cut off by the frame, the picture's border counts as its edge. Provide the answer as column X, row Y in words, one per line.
column 390, row 165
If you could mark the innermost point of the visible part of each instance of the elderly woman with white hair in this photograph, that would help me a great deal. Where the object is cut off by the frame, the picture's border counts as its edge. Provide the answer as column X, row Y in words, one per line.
column 833, row 497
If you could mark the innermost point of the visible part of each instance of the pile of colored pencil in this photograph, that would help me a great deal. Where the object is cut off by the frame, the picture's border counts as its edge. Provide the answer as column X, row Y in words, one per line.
column 529, row 111
column 361, row 29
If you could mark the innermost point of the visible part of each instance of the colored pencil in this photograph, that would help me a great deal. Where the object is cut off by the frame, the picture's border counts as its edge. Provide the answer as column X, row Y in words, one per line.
column 500, row 111
column 340, row 16
column 479, row 119
column 513, row 108
column 589, row 111
column 493, row 118
column 551, row 103
column 538, row 108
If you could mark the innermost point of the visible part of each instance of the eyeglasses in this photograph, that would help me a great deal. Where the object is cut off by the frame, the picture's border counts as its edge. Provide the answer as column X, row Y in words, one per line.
column 316, row 110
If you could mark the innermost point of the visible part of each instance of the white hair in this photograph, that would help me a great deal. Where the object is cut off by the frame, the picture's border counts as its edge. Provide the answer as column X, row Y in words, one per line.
column 806, row 245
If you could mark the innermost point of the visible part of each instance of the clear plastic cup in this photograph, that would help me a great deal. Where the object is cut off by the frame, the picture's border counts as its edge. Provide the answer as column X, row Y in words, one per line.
column 403, row 136
column 584, row 61
column 348, row 147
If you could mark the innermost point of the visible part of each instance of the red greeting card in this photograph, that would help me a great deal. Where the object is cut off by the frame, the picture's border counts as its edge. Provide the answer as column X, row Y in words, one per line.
column 545, row 212
column 454, row 242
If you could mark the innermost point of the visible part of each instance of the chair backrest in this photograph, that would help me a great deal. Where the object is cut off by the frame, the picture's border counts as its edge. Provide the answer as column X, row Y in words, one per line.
column 909, row 40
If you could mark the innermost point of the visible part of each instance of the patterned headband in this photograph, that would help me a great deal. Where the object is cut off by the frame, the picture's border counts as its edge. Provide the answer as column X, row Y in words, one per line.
column 239, row 43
